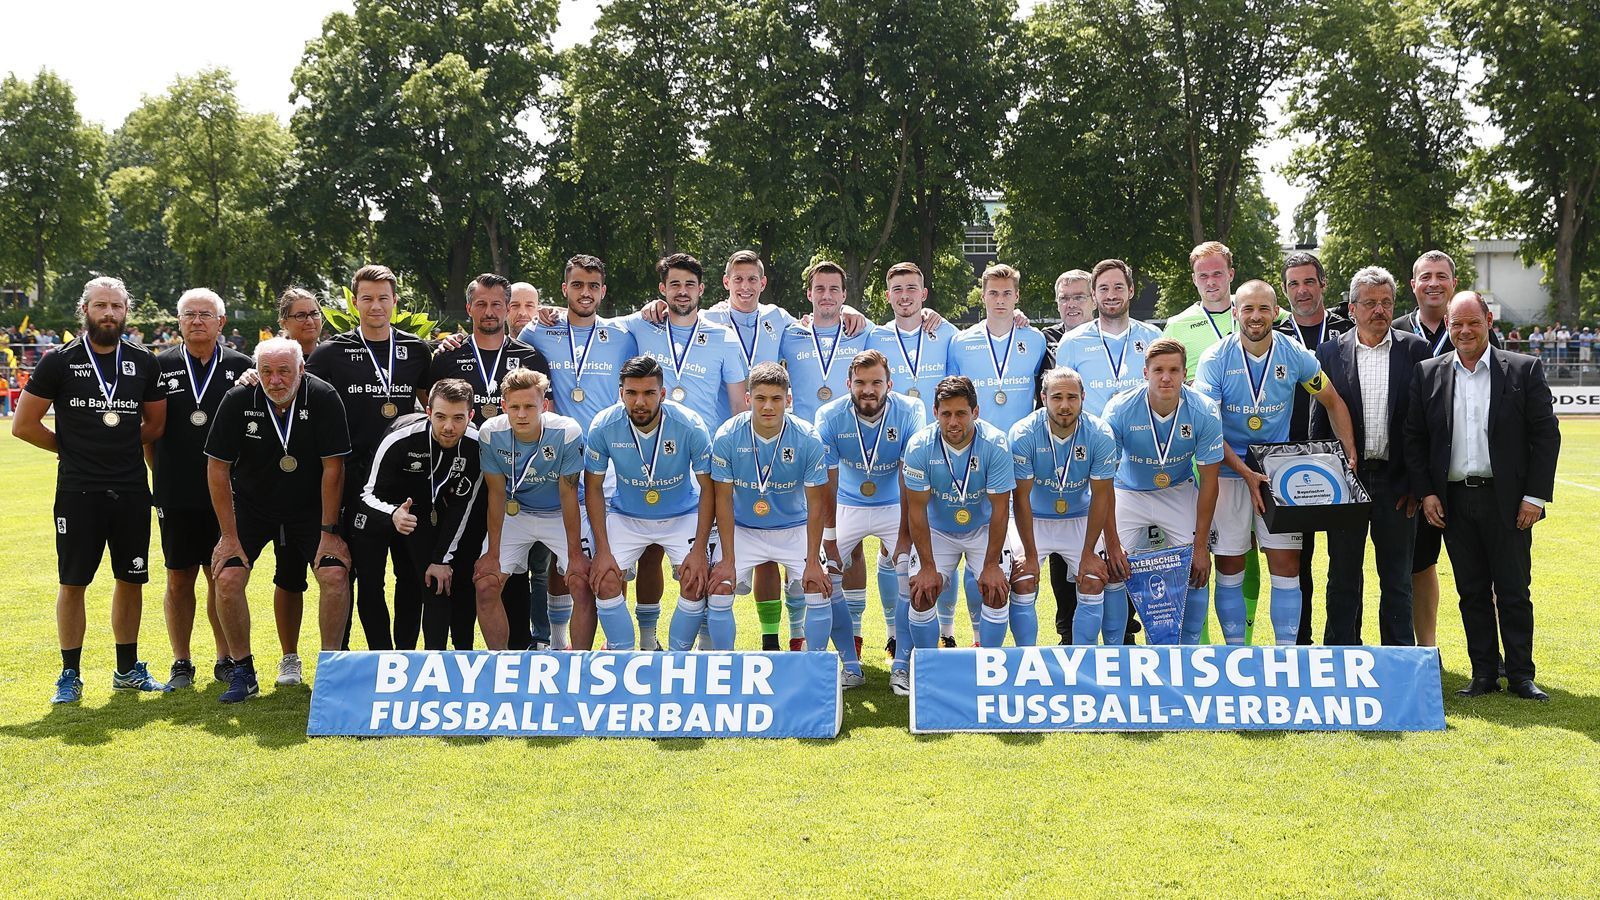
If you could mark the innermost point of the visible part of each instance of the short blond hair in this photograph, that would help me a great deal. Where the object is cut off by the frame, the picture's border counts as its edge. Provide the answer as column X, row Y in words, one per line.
column 1206, row 248
column 1000, row 270
column 522, row 378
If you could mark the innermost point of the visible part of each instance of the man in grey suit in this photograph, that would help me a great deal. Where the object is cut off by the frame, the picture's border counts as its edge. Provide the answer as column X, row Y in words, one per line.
column 1372, row 367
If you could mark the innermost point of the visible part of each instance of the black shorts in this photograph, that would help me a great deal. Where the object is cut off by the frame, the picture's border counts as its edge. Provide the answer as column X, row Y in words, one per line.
column 188, row 536
column 87, row 521
column 296, row 540
column 289, row 572
column 1425, row 552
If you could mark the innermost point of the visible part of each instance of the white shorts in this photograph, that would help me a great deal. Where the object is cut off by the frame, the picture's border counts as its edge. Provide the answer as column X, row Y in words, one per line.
column 857, row 523
column 630, row 537
column 1060, row 536
column 948, row 549
column 1171, row 510
column 784, row 546
column 525, row 529
column 1230, row 528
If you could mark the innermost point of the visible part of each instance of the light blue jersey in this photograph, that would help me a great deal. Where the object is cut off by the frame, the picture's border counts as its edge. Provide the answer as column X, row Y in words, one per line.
column 1060, row 469
column 1109, row 365
column 769, row 477
column 989, row 469
column 808, row 353
column 850, row 443
column 928, row 356
column 532, row 471
column 582, row 359
column 702, row 359
column 757, row 333
column 999, row 365
column 1152, row 457
column 1256, row 396
column 662, row 464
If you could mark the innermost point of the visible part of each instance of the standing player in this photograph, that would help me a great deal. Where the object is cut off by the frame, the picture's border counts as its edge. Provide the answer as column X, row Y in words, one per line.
column 482, row 360
column 531, row 461
column 535, row 582
column 1169, row 446
column 1252, row 377
column 425, row 480
column 194, row 377
column 770, row 475
column 1001, row 359
column 701, row 361
column 918, row 357
column 1210, row 318
column 864, row 437
column 661, row 453
column 108, row 402
column 379, row 372
column 818, row 355
column 1065, row 459
column 949, row 467
column 276, row 468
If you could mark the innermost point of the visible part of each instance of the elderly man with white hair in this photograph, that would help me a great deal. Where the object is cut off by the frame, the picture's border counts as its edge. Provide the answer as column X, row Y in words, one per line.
column 194, row 377
column 277, row 452
column 108, row 404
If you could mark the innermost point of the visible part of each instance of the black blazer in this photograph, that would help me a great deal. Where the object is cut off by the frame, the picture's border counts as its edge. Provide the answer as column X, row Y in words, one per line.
column 1338, row 358
column 1524, row 438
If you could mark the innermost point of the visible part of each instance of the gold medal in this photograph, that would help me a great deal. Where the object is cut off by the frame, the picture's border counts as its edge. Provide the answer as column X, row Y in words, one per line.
column 288, row 464
column 513, row 507
column 1061, row 507
column 679, row 394
column 433, row 517
column 868, row 488
column 963, row 516
column 1000, row 397
column 652, row 496
column 490, row 410
column 824, row 393
column 197, row 418
column 913, row 393
column 577, row 395
column 761, row 508
column 389, row 410
column 1162, row 479
column 111, row 419
column 1254, row 422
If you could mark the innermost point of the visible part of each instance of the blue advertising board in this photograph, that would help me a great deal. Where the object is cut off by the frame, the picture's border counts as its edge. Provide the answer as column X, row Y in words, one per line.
column 1143, row 688
column 570, row 694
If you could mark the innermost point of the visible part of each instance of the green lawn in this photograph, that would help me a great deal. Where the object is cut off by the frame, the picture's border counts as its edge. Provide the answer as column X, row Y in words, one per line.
column 176, row 795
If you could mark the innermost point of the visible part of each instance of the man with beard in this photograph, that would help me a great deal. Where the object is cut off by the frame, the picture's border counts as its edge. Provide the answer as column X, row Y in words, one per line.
column 700, row 361
column 277, row 451
column 660, row 451
column 379, row 371
column 482, row 360
column 109, row 403
column 1251, row 376
column 425, row 480
column 194, row 378
column 1433, row 282
column 864, row 436
column 1309, row 323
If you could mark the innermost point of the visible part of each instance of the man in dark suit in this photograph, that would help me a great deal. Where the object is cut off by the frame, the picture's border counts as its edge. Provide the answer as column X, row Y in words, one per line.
column 1481, row 447
column 1372, row 368
column 1309, row 324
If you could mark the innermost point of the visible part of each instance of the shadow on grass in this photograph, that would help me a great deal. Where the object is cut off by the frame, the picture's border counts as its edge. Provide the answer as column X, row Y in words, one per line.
column 276, row 718
column 1574, row 712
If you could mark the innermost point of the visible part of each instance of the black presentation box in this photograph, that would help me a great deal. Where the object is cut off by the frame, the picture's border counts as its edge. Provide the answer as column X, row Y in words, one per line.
column 1283, row 519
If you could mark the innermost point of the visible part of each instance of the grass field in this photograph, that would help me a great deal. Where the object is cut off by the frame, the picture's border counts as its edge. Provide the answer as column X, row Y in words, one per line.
column 177, row 795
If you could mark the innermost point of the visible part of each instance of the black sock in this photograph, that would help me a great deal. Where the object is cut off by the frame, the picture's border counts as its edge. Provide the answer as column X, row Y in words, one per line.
column 127, row 656
column 248, row 663
column 70, row 659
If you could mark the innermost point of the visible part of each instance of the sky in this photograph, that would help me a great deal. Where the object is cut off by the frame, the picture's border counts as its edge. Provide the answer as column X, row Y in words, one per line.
column 115, row 53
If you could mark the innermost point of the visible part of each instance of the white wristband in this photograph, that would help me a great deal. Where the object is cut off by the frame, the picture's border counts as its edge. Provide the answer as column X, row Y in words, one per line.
column 830, row 534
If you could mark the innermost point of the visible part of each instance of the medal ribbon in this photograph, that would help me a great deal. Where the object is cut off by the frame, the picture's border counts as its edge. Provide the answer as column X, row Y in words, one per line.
column 1163, row 451
column 116, row 373
column 199, row 389
column 385, row 380
column 1444, row 334
column 1322, row 334
column 578, row 365
column 1000, row 363
column 490, row 382
column 655, row 453
column 749, row 353
column 867, row 456
column 433, row 470
column 1211, row 320
column 527, row 467
column 283, row 431
column 1258, row 387
column 679, row 362
column 1071, row 442
column 966, row 468
column 764, row 475
column 911, row 362
column 833, row 351
column 1122, row 355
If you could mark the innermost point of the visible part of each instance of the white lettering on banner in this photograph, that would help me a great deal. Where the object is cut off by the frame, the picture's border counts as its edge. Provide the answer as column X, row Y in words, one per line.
column 1281, row 667
column 715, row 674
column 527, row 716
column 1576, row 400
column 1085, row 709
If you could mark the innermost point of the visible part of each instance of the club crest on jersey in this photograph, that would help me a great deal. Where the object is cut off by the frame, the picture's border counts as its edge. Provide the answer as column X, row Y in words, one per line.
column 458, row 465
column 604, row 336
column 1186, row 431
column 250, row 427
column 1080, row 453
column 416, row 465
column 972, row 464
column 700, row 339
column 768, row 326
column 788, row 454
column 400, row 351
column 513, row 363
column 891, row 434
column 360, row 521
column 228, row 375
column 669, row 447
column 127, row 367
column 1138, row 347
column 172, row 383
column 1280, row 372
column 549, row 453
column 1022, row 347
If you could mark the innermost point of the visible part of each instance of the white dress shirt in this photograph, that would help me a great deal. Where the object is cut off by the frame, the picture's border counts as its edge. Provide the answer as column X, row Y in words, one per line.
column 1469, row 437
column 1372, row 371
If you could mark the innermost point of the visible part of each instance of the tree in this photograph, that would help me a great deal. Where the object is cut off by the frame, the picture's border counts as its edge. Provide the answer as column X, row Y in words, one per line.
column 52, row 205
column 412, row 115
column 1380, row 106
column 1541, row 85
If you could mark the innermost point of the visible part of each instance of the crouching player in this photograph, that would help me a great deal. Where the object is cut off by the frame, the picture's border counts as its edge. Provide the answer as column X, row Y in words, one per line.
column 277, row 452
column 865, row 436
column 770, row 473
column 949, row 469
column 661, row 452
column 1065, row 459
column 1166, row 432
column 425, row 480
column 531, row 463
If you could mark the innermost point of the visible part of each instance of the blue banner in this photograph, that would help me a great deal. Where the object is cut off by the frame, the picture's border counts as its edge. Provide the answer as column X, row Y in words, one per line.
column 1158, row 583
column 1177, row 688
column 571, row 694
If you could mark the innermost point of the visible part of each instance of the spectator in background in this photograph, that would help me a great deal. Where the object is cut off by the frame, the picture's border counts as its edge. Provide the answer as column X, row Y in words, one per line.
column 236, row 340
column 1514, row 340
column 1585, row 347
column 6, row 385
column 1535, row 341
column 1563, row 344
